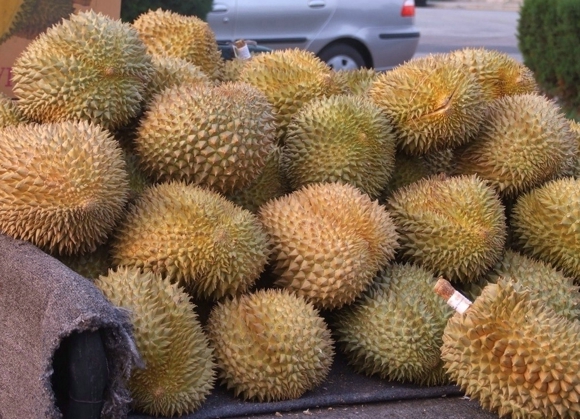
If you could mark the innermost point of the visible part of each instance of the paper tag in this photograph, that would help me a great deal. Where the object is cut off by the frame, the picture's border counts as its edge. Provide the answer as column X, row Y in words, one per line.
column 459, row 302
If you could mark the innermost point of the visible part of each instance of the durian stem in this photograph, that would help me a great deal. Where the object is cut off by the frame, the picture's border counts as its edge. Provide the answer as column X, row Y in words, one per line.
column 452, row 297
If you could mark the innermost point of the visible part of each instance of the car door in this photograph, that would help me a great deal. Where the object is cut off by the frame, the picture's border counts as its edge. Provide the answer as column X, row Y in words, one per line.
column 221, row 19
column 281, row 23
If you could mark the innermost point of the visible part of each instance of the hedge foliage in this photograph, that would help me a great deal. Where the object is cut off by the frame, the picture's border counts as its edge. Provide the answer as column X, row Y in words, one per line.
column 548, row 34
column 130, row 9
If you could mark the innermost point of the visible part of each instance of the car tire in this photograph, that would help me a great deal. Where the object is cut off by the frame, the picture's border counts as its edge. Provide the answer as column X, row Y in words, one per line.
column 342, row 57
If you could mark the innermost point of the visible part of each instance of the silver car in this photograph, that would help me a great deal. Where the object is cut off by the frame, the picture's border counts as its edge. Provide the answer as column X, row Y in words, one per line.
column 347, row 34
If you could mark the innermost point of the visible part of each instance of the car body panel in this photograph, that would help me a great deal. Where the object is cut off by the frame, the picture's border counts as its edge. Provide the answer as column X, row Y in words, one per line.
column 375, row 27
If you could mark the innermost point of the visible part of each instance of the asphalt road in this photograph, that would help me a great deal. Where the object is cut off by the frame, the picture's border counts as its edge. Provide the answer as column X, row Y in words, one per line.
column 443, row 30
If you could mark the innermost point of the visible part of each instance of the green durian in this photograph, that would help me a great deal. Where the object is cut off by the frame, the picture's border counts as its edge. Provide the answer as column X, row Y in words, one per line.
column 195, row 237
column 546, row 224
column 432, row 102
column 13, row 14
column 9, row 112
column 328, row 240
column 88, row 67
column 64, row 185
column 395, row 329
column 168, row 33
column 91, row 265
column 179, row 371
column 340, row 138
column 453, row 226
column 46, row 14
column 525, row 142
column 499, row 73
column 515, row 355
column 407, row 169
column 270, row 345
column 355, row 81
column 213, row 136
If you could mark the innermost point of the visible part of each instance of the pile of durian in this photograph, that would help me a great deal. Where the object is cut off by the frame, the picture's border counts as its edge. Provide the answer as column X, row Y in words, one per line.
column 257, row 216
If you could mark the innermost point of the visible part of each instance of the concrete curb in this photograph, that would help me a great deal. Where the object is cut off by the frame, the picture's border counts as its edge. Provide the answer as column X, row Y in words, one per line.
column 496, row 5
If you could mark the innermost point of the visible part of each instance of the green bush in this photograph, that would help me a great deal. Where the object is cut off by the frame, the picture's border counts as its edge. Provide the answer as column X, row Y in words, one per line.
column 549, row 38
column 130, row 9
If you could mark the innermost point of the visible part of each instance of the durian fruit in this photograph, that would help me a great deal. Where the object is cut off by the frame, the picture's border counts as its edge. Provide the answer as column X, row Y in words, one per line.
column 499, row 74
column 270, row 184
column 13, row 14
column 91, row 265
column 546, row 224
column 64, row 185
column 46, row 13
column 355, row 81
column 453, row 226
column 575, row 129
column 88, row 67
column 432, row 102
column 525, row 141
column 543, row 281
column 515, row 355
column 195, row 237
column 440, row 161
column 214, row 136
column 173, row 71
column 138, row 180
column 407, row 169
column 328, row 240
column 232, row 69
column 187, row 37
column 179, row 371
column 9, row 112
column 289, row 78
column 340, row 138
column 395, row 329
column 270, row 345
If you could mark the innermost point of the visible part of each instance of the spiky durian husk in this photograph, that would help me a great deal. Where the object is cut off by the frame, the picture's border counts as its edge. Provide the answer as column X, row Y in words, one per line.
column 195, row 237
column 440, row 161
column 179, row 370
column 14, row 13
column 340, row 138
column 499, row 73
column 575, row 130
column 187, row 37
column 432, row 102
column 525, row 141
column 270, row 184
column 395, row 329
column 138, row 180
column 232, row 69
column 270, row 345
column 213, row 136
column 356, row 82
column 64, row 185
column 46, row 13
column 90, row 265
column 408, row 169
column 289, row 78
column 173, row 71
column 543, row 281
column 9, row 112
column 88, row 67
column 454, row 226
column 515, row 355
column 546, row 224
column 329, row 240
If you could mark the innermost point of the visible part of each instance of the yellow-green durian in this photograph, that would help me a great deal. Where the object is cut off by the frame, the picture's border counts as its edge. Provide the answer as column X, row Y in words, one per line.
column 195, row 237
column 270, row 345
column 542, row 280
column 88, row 67
column 340, row 138
column 173, row 71
column 232, row 69
column 432, row 102
column 91, row 265
column 213, row 136
column 138, row 180
column 407, row 169
column 395, row 329
column 289, row 78
column 179, row 371
column 9, row 112
column 13, row 14
column 46, row 13
column 270, row 183
column 355, row 81
column 328, row 240
column 188, row 37
column 440, row 161
column 453, row 226
column 499, row 73
column 525, row 141
column 515, row 355
column 546, row 224
column 64, row 185
column 575, row 130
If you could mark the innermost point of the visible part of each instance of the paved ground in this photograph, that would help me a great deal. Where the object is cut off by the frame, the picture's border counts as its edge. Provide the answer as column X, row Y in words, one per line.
column 505, row 5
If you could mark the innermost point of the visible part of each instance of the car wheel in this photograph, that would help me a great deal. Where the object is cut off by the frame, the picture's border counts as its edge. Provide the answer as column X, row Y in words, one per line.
column 342, row 57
